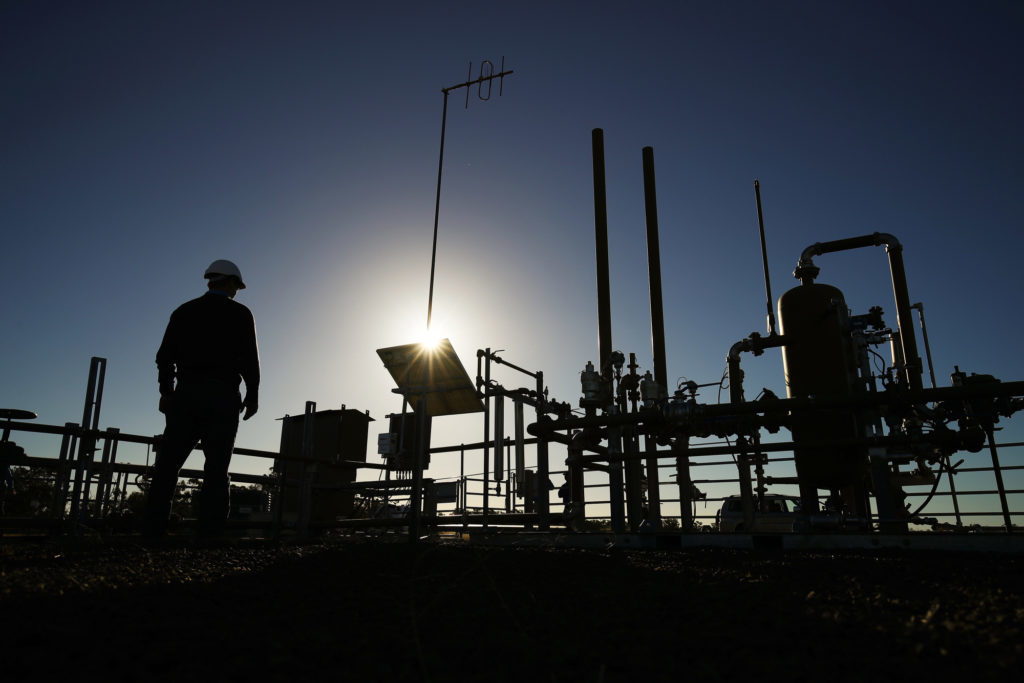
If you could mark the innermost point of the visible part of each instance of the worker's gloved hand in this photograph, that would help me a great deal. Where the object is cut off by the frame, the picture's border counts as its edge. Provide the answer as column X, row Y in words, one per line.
column 250, row 405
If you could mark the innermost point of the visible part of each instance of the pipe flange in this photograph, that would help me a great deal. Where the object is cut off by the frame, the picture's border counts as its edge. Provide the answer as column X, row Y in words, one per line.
column 806, row 271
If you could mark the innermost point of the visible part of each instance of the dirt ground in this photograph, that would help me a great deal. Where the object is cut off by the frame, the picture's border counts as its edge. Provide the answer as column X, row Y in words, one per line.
column 348, row 609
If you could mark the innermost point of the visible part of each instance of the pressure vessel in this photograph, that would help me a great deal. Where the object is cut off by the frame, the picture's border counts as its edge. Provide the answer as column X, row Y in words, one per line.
column 819, row 361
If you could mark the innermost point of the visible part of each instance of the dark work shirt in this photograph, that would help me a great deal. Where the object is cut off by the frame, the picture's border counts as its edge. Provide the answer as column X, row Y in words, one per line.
column 209, row 339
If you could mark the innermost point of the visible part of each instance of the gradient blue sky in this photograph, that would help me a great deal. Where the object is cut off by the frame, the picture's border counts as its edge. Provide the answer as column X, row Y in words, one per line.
column 142, row 140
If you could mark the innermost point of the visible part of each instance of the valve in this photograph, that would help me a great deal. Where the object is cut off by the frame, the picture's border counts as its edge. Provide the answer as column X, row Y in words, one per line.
column 595, row 388
column 650, row 392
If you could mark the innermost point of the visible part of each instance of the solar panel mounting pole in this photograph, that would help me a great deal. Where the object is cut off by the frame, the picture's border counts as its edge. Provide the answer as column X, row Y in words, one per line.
column 487, row 76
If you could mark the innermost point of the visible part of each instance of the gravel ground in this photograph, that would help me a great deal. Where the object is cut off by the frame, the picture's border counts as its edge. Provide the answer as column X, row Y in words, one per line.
column 390, row 611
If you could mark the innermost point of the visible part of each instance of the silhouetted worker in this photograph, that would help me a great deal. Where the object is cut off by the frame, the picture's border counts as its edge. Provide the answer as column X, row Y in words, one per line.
column 208, row 349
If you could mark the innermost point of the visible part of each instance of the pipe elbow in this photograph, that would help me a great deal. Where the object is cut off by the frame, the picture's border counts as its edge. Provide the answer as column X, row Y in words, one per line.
column 755, row 344
column 889, row 241
column 736, row 349
column 808, row 254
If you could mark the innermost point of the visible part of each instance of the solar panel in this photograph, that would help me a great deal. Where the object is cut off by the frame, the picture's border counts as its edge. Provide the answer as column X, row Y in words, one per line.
column 434, row 373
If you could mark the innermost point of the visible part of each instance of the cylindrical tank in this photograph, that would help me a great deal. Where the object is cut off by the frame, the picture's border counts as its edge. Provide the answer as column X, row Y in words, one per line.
column 819, row 361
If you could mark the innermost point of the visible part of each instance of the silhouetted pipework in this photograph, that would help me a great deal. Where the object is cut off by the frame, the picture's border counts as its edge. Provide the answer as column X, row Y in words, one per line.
column 835, row 413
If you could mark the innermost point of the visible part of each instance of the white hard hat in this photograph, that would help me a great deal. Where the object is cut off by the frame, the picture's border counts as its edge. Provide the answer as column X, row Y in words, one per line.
column 223, row 267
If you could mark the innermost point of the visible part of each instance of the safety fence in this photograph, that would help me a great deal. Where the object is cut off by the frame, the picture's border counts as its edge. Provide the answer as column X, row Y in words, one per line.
column 976, row 492
column 89, row 486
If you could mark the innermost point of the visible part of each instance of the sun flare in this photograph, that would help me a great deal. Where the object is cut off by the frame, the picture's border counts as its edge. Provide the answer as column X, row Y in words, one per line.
column 431, row 338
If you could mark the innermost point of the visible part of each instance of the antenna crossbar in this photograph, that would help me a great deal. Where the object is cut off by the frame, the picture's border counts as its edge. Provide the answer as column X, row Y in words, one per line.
column 475, row 81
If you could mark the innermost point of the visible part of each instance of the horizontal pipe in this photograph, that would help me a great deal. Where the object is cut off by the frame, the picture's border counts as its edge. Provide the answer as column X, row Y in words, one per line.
column 129, row 468
column 893, row 442
column 124, row 437
column 492, row 518
column 472, row 446
column 755, row 344
column 875, row 239
column 500, row 361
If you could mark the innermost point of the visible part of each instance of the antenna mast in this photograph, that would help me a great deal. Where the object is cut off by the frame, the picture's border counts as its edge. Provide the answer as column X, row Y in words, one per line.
column 487, row 76
column 764, row 260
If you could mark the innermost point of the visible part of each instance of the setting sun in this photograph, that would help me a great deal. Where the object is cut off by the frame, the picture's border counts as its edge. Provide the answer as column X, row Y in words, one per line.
column 431, row 338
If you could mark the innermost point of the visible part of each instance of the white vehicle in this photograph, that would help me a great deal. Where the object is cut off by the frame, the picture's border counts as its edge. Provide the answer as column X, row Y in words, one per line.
column 779, row 515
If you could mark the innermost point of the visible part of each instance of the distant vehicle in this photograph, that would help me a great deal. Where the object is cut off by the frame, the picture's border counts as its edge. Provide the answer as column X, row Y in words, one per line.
column 779, row 515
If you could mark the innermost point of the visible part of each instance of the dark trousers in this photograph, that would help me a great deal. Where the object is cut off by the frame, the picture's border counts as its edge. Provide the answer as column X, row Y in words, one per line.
column 199, row 412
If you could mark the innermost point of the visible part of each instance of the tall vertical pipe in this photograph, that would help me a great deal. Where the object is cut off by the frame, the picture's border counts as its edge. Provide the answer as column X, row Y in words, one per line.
column 604, row 315
column 903, row 320
column 924, row 335
column 654, row 272
column 657, row 328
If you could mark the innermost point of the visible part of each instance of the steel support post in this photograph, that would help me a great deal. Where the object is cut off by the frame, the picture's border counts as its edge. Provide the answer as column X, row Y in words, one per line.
column 576, row 514
column 106, row 474
column 87, row 440
column 464, row 489
column 422, row 446
column 510, row 481
column 616, row 502
column 653, row 486
column 543, row 472
column 499, row 436
column 62, row 474
column 519, row 436
column 888, row 509
column 634, row 473
column 680, row 448
column 746, row 487
column 487, row 433
column 79, row 491
column 307, row 473
column 952, row 489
